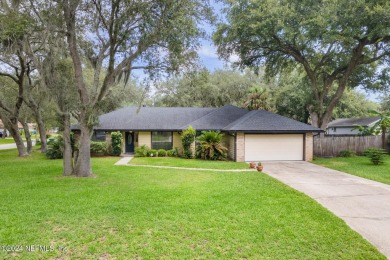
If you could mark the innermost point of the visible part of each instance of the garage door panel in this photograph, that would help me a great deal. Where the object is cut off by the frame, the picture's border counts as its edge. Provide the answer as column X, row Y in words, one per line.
column 263, row 147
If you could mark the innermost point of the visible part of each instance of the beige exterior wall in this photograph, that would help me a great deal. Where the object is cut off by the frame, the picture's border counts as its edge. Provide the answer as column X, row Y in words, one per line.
column 176, row 139
column 240, row 147
column 145, row 138
column 308, row 147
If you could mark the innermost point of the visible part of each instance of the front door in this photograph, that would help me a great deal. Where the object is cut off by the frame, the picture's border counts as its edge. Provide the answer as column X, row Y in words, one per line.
column 129, row 142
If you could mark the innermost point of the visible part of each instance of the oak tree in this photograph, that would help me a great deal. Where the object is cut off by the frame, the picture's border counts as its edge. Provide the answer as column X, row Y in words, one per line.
column 338, row 44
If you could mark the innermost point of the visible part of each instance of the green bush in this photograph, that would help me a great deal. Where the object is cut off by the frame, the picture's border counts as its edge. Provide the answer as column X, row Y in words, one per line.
column 173, row 153
column 161, row 153
column 152, row 153
column 142, row 151
column 55, row 148
column 210, row 147
column 347, row 153
column 187, row 138
column 98, row 148
column 116, row 143
column 368, row 151
column 376, row 155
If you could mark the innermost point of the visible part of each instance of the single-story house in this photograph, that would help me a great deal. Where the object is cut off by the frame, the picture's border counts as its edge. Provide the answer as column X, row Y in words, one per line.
column 348, row 126
column 249, row 135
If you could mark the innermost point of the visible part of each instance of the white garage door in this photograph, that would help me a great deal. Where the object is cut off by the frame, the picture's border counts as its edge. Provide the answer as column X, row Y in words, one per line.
column 268, row 147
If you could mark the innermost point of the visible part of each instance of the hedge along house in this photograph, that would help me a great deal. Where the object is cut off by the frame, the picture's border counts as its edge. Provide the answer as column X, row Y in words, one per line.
column 249, row 135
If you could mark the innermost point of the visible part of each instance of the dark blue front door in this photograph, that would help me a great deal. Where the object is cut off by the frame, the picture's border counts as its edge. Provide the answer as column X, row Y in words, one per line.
column 129, row 142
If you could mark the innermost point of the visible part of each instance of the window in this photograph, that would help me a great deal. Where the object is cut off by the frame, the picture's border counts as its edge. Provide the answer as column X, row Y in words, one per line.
column 99, row 136
column 162, row 140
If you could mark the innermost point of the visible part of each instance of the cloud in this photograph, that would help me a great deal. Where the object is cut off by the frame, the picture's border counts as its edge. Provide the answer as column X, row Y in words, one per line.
column 234, row 58
column 208, row 51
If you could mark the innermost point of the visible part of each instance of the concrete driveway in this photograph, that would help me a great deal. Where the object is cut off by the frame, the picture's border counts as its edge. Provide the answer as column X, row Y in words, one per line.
column 363, row 204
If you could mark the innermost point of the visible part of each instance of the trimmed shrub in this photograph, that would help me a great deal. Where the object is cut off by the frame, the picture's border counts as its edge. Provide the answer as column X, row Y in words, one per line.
column 116, row 143
column 98, row 148
column 142, row 151
column 347, row 153
column 152, row 153
column 161, row 153
column 187, row 138
column 376, row 155
column 55, row 149
column 210, row 147
column 173, row 152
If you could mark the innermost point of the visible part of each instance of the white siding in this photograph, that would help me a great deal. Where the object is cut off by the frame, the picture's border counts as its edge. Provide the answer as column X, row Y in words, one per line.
column 342, row 131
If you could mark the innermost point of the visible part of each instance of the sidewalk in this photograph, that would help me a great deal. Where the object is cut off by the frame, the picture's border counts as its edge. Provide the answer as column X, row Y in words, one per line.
column 11, row 146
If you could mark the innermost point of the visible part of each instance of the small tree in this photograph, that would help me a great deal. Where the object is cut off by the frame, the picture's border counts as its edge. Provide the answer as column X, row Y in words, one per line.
column 376, row 155
column 116, row 142
column 187, row 138
column 210, row 147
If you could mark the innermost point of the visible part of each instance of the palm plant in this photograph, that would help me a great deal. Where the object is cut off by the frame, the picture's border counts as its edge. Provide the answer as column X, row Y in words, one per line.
column 209, row 146
column 258, row 98
column 383, row 125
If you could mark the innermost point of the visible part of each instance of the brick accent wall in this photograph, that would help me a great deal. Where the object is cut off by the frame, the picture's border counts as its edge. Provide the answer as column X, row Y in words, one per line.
column 240, row 147
column 145, row 138
column 308, row 147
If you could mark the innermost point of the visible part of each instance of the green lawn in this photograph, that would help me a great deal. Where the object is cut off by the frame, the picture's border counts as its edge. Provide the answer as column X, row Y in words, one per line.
column 7, row 141
column 359, row 166
column 193, row 163
column 147, row 213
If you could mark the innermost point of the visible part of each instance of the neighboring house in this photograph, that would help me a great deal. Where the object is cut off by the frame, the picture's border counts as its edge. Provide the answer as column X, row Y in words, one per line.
column 31, row 127
column 3, row 130
column 249, row 135
column 348, row 126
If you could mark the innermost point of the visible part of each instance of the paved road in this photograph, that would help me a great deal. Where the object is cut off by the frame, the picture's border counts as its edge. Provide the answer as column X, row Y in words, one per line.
column 363, row 204
column 11, row 146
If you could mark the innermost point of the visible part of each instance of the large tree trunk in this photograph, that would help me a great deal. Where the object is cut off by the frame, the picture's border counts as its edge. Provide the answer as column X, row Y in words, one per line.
column 27, row 135
column 83, row 163
column 68, row 161
column 42, row 133
column 384, row 129
column 12, row 126
column 41, row 124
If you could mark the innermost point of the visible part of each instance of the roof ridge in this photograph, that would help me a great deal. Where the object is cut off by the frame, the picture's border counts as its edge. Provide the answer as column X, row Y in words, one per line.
column 241, row 119
column 210, row 113
column 191, row 123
